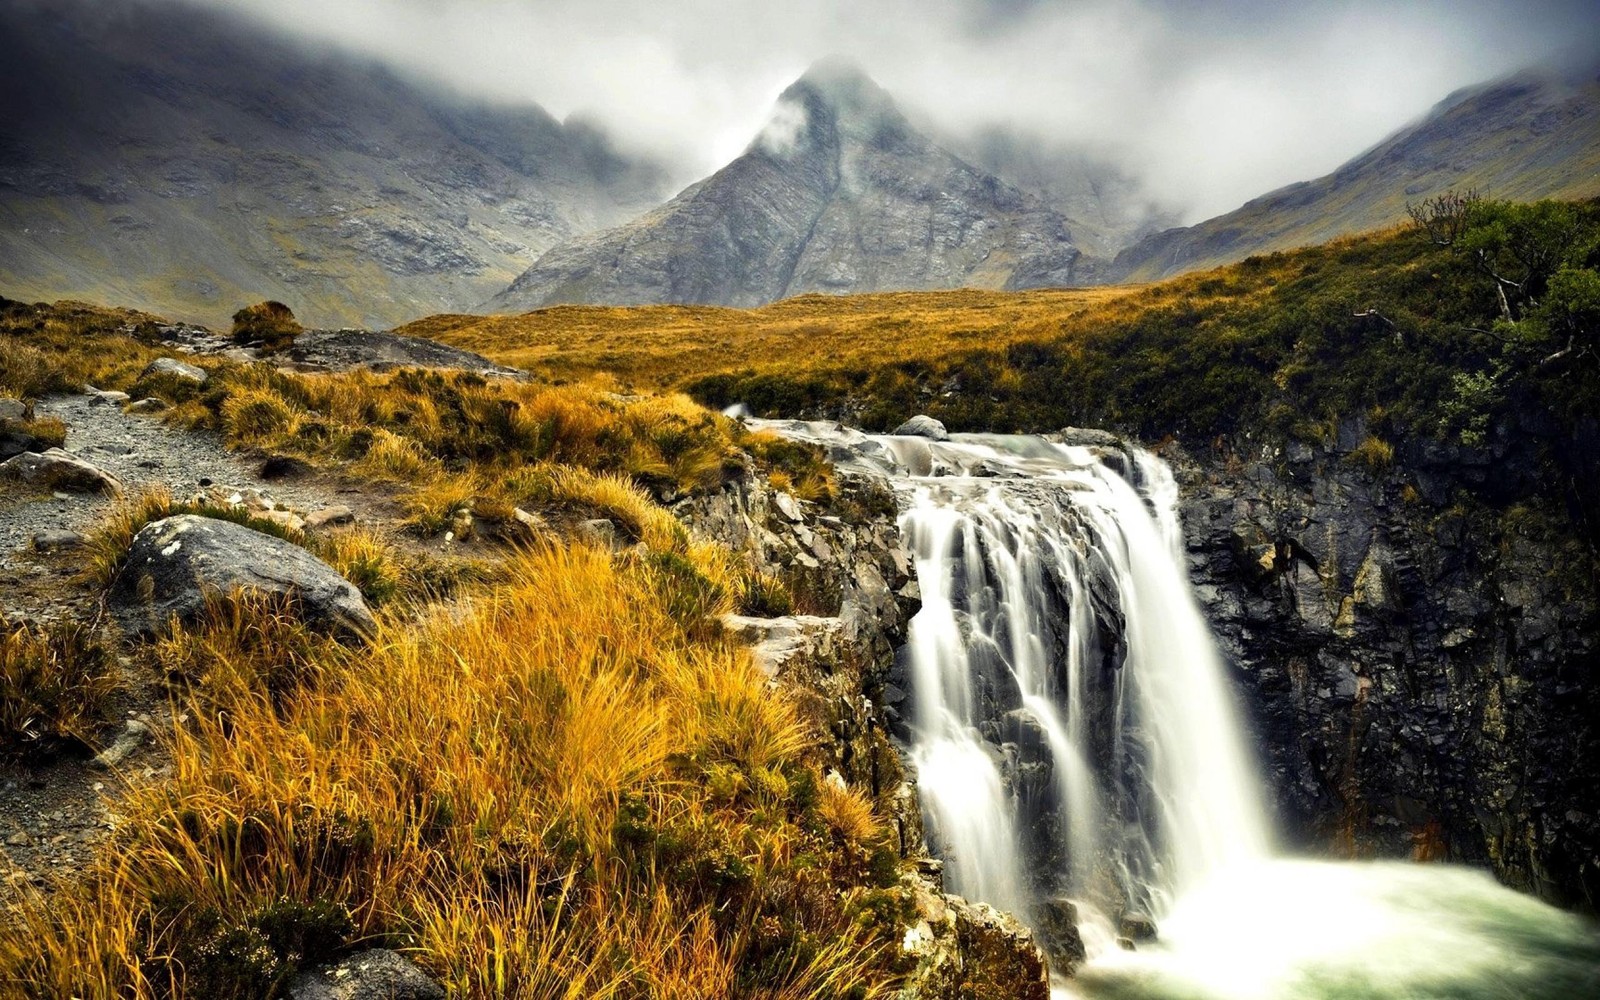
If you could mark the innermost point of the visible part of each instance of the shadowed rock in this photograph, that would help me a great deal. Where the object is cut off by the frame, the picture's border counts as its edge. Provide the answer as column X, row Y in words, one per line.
column 176, row 564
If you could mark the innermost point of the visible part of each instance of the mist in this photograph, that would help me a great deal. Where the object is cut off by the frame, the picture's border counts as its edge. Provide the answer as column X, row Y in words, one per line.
column 1201, row 108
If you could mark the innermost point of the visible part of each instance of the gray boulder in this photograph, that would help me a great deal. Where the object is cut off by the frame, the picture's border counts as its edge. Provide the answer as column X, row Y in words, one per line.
column 925, row 426
column 175, row 369
column 175, row 564
column 375, row 974
column 54, row 469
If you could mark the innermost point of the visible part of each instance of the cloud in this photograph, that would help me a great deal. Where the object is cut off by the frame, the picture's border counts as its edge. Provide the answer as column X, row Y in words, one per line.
column 1206, row 105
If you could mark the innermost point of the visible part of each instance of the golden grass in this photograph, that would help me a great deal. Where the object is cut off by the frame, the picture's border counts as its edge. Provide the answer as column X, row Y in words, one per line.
column 53, row 685
column 514, row 792
column 654, row 347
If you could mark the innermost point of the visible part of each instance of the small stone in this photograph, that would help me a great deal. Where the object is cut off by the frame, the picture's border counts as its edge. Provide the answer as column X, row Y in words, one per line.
column 133, row 734
column 600, row 531
column 106, row 397
column 176, row 369
column 327, row 516
column 18, row 839
column 149, row 404
column 53, row 539
column 13, row 409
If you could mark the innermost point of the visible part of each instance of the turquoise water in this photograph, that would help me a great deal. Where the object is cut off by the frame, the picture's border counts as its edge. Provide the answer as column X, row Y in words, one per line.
column 1313, row 930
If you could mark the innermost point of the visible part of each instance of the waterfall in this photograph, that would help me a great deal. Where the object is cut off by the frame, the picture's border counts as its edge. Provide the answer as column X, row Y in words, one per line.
column 1073, row 737
column 1057, row 626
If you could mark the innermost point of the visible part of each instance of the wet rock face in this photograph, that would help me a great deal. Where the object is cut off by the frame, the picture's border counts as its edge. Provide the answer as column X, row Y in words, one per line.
column 177, row 564
column 1420, row 656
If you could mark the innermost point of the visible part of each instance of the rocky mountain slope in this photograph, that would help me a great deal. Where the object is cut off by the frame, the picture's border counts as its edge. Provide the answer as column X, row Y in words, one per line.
column 1535, row 135
column 838, row 194
column 185, row 161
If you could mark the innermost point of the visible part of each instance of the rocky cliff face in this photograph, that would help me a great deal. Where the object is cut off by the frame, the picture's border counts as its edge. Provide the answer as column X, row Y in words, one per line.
column 1420, row 651
column 838, row 194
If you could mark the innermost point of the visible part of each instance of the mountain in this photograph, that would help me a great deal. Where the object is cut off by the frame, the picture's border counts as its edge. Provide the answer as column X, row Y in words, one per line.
column 188, row 162
column 839, row 193
column 1107, row 209
column 1534, row 135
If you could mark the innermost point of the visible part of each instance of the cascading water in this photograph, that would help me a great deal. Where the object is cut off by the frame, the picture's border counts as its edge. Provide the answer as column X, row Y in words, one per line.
column 1074, row 737
column 1150, row 783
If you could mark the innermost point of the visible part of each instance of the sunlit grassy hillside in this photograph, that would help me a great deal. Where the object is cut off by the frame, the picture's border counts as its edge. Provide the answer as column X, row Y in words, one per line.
column 1385, row 326
column 660, row 346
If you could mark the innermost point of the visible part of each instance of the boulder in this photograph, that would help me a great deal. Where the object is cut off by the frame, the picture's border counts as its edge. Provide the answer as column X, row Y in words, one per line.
column 56, row 470
column 14, row 409
column 173, row 368
column 924, row 426
column 374, row 974
column 150, row 404
column 174, row 565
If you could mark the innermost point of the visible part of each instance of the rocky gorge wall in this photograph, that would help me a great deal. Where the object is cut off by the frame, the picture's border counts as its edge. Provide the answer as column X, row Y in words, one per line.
column 1417, row 637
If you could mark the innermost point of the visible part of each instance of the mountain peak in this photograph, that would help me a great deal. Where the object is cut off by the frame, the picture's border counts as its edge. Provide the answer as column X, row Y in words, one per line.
column 833, row 100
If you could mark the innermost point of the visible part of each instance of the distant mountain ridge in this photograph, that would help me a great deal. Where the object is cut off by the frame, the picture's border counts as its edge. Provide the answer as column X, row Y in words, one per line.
column 1530, row 136
column 838, row 194
column 188, row 162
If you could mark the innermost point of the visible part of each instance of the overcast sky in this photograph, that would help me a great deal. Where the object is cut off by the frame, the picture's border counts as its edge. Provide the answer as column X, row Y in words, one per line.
column 1209, row 103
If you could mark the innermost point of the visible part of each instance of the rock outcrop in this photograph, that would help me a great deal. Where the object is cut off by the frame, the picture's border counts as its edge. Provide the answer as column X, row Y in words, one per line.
column 1418, row 645
column 177, row 565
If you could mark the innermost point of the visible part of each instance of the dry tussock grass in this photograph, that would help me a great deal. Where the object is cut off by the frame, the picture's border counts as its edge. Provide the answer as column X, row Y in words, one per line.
column 515, row 793
column 654, row 347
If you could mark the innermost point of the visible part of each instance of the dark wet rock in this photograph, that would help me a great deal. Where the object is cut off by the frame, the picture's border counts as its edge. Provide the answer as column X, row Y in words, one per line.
column 925, row 426
column 1059, row 935
column 342, row 350
column 176, row 564
column 1415, row 651
column 1136, row 926
column 175, row 369
column 55, row 469
column 374, row 974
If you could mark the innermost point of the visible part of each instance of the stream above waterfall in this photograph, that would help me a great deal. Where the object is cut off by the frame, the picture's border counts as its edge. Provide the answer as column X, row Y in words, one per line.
column 1077, row 750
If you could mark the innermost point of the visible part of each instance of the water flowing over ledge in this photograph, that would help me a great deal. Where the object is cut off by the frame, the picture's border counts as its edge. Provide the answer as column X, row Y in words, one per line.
column 1078, row 753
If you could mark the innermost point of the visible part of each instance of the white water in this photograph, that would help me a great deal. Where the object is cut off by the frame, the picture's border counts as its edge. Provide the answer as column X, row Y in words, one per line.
column 1039, row 564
